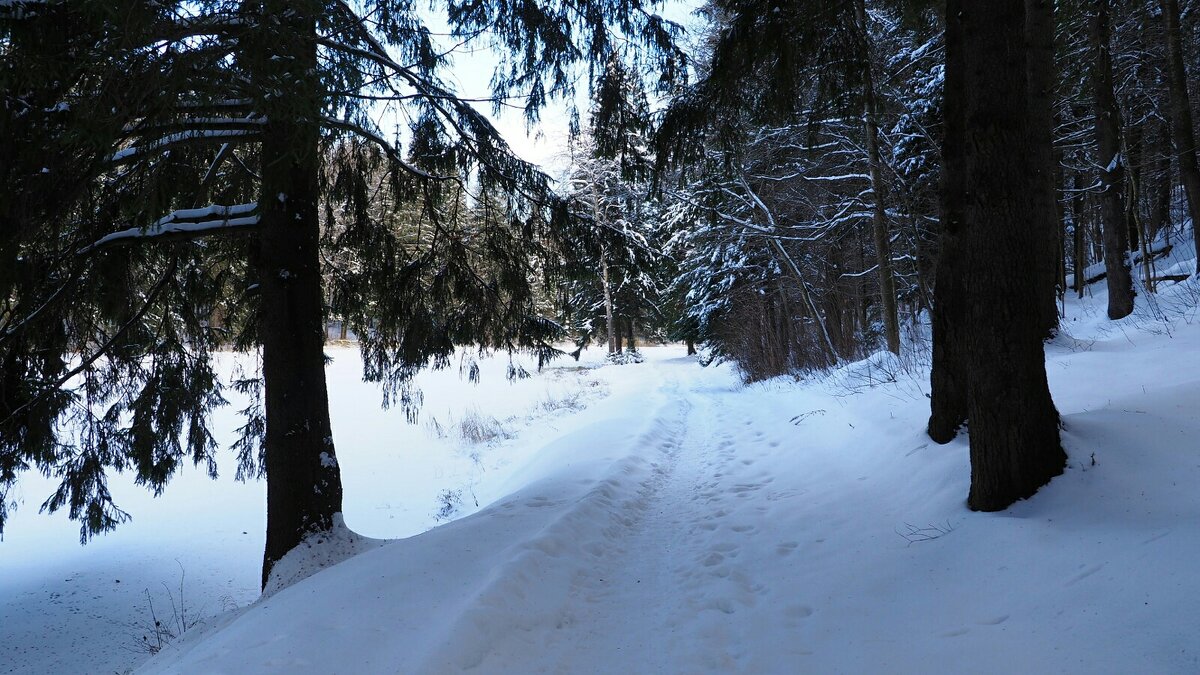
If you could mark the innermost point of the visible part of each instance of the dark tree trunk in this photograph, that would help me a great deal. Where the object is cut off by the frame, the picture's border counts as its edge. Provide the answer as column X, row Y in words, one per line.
column 1060, row 214
column 1160, row 216
column 1041, row 74
column 691, row 347
column 1183, row 134
column 1013, row 423
column 879, row 224
column 304, row 488
column 1081, row 259
column 1133, row 146
column 948, row 376
column 629, row 334
column 1112, row 172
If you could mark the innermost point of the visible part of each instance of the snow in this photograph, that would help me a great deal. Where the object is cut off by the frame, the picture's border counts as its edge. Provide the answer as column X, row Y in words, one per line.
column 316, row 553
column 673, row 520
column 135, row 151
column 181, row 222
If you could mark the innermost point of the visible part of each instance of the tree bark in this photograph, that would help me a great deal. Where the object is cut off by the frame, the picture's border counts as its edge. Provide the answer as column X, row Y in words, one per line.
column 1183, row 133
column 610, row 322
column 1041, row 74
column 1160, row 217
column 304, row 488
column 1133, row 155
column 883, row 245
column 614, row 340
column 948, row 375
column 1081, row 259
column 1060, row 226
column 1112, row 171
column 1013, row 423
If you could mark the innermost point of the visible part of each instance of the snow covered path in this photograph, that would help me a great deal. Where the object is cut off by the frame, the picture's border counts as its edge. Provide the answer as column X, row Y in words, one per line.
column 634, row 571
column 687, row 524
column 670, row 557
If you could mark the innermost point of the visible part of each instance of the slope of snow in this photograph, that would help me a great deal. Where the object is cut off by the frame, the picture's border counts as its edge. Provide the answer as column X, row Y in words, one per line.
column 689, row 524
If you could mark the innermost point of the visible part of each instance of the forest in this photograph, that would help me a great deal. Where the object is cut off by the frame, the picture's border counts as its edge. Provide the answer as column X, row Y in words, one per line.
column 784, row 192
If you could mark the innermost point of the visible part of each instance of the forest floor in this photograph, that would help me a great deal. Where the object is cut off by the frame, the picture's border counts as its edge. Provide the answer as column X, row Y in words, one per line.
column 662, row 517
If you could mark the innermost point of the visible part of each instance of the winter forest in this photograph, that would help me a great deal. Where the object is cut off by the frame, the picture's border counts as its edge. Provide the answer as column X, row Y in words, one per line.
column 599, row 336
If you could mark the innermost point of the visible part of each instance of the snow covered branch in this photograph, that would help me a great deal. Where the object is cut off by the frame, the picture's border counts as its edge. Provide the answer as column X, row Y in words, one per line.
column 190, row 136
column 185, row 224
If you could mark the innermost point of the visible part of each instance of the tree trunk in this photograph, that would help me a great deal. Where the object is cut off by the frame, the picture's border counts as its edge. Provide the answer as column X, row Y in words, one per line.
column 1041, row 74
column 610, row 325
column 1060, row 226
column 1112, row 172
column 1183, row 133
column 304, row 488
column 1160, row 217
column 1133, row 155
column 1013, row 423
column 629, row 334
column 948, row 376
column 691, row 347
column 883, row 245
column 614, row 340
column 1081, row 259
column 806, row 297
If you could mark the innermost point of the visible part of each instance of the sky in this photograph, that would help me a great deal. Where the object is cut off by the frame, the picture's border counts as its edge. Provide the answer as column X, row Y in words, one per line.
column 546, row 143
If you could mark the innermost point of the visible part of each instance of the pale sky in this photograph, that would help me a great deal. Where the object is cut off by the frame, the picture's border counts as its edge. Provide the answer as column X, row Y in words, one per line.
column 546, row 144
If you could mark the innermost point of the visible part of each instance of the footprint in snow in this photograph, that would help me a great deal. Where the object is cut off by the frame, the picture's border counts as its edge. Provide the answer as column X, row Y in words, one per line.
column 798, row 612
column 1088, row 570
column 1158, row 536
column 994, row 621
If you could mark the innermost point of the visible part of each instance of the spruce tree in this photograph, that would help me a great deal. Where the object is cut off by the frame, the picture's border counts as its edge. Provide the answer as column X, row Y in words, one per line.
column 195, row 150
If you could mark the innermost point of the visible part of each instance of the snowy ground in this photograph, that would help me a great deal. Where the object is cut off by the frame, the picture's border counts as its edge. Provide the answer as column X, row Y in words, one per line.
column 71, row 609
column 683, row 523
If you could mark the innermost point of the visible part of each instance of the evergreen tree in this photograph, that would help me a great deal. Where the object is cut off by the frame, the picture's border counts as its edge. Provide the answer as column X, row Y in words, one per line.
column 830, row 181
column 610, row 190
column 192, row 161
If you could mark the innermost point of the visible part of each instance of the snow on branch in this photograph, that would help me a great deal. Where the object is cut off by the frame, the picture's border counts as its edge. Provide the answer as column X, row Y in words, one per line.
column 225, row 103
column 186, row 223
column 136, row 151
